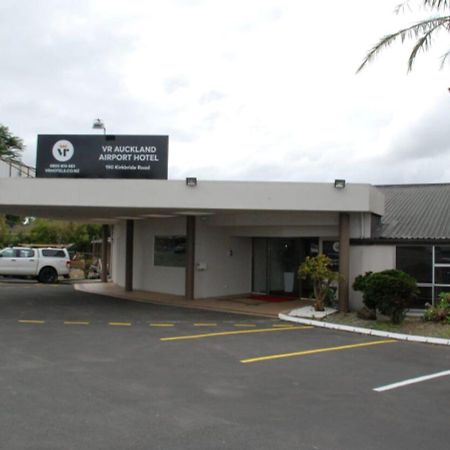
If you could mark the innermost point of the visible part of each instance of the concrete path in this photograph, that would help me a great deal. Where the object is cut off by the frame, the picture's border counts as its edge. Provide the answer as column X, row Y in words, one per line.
column 248, row 306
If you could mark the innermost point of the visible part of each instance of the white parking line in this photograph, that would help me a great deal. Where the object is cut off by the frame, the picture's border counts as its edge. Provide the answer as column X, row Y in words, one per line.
column 412, row 381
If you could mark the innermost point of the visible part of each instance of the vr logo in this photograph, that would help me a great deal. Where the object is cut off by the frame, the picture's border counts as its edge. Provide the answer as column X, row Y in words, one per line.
column 63, row 150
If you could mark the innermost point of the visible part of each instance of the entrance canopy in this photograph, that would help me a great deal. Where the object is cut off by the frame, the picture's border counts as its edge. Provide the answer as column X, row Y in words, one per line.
column 106, row 200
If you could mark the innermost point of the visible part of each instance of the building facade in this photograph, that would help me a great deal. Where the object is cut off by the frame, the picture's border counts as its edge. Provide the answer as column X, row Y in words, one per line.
column 231, row 239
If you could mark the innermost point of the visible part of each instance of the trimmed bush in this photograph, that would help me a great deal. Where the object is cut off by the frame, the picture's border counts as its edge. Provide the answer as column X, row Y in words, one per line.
column 389, row 292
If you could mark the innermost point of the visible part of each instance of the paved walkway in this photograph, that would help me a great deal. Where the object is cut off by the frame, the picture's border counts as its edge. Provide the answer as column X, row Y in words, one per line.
column 237, row 305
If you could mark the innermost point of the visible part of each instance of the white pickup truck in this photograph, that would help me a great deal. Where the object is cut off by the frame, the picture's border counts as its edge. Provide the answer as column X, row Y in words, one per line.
column 45, row 264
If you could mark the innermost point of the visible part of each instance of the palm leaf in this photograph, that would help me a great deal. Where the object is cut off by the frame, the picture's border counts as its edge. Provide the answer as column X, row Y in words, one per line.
column 422, row 31
column 437, row 4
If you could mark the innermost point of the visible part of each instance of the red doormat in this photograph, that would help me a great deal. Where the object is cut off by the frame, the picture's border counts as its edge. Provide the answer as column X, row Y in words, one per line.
column 273, row 298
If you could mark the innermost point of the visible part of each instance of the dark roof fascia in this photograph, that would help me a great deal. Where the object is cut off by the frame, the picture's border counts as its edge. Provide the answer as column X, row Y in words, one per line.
column 410, row 185
column 399, row 241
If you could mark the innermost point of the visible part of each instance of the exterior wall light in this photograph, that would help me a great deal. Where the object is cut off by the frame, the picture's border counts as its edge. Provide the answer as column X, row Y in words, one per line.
column 99, row 125
column 191, row 181
column 339, row 184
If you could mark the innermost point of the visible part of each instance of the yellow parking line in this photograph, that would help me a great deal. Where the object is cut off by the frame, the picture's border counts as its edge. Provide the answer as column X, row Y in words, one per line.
column 120, row 324
column 317, row 350
column 282, row 325
column 205, row 324
column 228, row 333
column 247, row 325
column 162, row 324
column 31, row 321
column 75, row 322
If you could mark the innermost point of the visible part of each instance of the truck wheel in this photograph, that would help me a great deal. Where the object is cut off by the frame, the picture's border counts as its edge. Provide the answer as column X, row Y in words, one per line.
column 48, row 275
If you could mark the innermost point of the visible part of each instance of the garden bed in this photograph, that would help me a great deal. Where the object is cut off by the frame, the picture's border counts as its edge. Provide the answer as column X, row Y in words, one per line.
column 411, row 325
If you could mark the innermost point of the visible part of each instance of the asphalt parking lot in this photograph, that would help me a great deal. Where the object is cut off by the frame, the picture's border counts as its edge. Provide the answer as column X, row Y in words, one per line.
column 80, row 371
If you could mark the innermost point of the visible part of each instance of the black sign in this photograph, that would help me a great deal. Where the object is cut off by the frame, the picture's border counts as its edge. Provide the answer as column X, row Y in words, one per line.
column 100, row 156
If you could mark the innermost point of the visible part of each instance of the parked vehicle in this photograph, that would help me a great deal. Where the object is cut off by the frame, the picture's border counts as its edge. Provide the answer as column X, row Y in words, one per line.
column 45, row 264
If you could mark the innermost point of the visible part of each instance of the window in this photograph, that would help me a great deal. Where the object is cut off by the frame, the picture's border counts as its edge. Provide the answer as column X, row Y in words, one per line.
column 8, row 253
column 424, row 296
column 442, row 275
column 25, row 253
column 54, row 253
column 170, row 251
column 442, row 254
column 417, row 262
column 430, row 266
column 331, row 249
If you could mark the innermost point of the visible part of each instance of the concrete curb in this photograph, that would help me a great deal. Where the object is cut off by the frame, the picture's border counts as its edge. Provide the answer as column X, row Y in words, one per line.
column 359, row 330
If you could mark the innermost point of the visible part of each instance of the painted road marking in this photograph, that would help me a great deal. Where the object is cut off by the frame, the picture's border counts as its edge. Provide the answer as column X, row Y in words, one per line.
column 205, row 324
column 314, row 351
column 282, row 325
column 31, row 321
column 162, row 324
column 228, row 333
column 245, row 325
column 412, row 381
column 75, row 322
column 120, row 324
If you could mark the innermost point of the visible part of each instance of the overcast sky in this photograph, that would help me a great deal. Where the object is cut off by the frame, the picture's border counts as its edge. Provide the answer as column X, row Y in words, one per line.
column 245, row 89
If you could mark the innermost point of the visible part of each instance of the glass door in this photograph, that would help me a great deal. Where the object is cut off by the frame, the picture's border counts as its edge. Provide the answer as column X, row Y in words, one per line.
column 260, row 266
column 284, row 257
column 276, row 262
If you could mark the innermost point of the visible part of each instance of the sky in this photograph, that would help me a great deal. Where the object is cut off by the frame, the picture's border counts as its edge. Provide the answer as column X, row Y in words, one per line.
column 245, row 89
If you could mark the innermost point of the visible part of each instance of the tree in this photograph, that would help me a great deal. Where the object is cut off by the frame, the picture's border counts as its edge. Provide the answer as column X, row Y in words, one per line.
column 10, row 146
column 423, row 32
column 48, row 231
column 4, row 231
column 317, row 268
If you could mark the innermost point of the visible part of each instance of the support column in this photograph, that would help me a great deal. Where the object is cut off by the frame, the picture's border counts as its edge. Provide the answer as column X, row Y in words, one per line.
column 129, row 256
column 190, row 257
column 105, row 262
column 344, row 261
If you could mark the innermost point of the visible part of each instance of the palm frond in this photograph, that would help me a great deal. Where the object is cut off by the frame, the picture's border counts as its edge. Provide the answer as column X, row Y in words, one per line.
column 437, row 4
column 444, row 58
column 422, row 44
column 422, row 31
column 402, row 6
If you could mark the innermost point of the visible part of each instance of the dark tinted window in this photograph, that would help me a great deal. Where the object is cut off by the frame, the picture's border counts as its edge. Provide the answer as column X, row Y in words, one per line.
column 442, row 275
column 424, row 296
column 54, row 253
column 442, row 254
column 331, row 249
column 170, row 251
column 416, row 261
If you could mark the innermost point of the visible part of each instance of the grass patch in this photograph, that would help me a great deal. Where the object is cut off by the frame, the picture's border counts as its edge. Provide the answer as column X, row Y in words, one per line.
column 411, row 325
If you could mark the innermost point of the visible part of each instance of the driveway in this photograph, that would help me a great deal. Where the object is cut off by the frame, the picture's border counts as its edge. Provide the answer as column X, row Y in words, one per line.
column 81, row 371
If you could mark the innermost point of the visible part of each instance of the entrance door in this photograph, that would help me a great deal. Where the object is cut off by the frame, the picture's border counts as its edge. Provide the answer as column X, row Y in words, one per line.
column 275, row 264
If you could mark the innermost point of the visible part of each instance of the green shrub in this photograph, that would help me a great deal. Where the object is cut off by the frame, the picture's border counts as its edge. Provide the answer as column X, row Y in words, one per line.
column 440, row 312
column 388, row 291
column 360, row 284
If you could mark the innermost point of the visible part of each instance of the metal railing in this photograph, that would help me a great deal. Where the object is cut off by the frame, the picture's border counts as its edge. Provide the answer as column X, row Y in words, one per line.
column 13, row 168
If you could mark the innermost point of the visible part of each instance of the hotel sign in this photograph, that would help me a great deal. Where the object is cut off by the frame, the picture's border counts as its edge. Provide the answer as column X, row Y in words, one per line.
column 100, row 156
